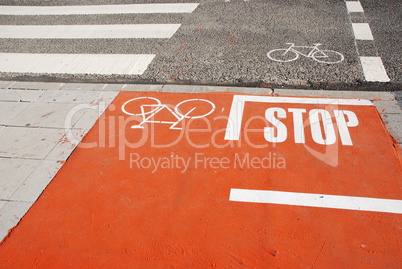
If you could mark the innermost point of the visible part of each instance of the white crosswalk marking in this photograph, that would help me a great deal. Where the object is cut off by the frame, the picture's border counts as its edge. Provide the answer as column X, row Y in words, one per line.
column 362, row 31
column 374, row 69
column 89, row 31
column 99, row 9
column 354, row 6
column 102, row 64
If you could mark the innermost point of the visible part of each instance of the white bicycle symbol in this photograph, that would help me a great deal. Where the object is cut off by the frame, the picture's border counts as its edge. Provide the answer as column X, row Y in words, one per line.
column 190, row 111
column 291, row 54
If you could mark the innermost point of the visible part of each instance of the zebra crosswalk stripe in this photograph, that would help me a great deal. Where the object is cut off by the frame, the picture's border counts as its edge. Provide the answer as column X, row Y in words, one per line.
column 103, row 64
column 89, row 31
column 99, row 9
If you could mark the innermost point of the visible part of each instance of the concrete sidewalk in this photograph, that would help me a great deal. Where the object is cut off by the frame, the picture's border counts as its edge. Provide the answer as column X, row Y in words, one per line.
column 35, row 129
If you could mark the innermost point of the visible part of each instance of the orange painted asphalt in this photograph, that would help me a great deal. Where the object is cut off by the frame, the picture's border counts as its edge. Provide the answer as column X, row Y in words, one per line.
column 111, row 206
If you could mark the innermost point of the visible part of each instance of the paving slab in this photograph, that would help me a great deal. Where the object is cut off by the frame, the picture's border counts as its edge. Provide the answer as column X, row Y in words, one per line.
column 5, row 84
column 66, row 145
column 398, row 97
column 90, row 117
column 34, row 185
column 10, row 110
column 50, row 115
column 205, row 89
column 65, row 96
column 2, row 203
column 337, row 94
column 95, row 110
column 36, row 85
column 10, row 214
column 224, row 179
column 133, row 87
column 25, row 142
column 20, row 95
column 112, row 87
column 13, row 172
column 394, row 125
column 106, row 97
column 388, row 107
column 83, row 87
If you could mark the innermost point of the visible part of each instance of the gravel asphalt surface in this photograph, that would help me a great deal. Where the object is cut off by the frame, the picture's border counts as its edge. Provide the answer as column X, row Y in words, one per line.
column 226, row 43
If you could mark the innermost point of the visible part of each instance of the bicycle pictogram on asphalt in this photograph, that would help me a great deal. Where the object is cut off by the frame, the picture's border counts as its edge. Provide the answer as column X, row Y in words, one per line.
column 293, row 53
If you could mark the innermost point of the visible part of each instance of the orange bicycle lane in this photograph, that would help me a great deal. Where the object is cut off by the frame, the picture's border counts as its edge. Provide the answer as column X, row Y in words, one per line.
column 220, row 180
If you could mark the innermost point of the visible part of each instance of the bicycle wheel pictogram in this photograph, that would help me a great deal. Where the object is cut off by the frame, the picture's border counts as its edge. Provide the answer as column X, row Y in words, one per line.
column 327, row 56
column 282, row 55
column 194, row 108
column 139, row 103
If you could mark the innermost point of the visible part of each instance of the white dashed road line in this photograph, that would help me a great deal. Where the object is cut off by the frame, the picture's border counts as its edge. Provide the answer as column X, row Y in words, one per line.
column 372, row 65
column 374, row 69
column 99, row 9
column 104, row 64
column 362, row 31
column 89, row 31
column 354, row 6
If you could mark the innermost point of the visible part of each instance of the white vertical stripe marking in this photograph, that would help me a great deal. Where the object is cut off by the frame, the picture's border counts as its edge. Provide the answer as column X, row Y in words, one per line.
column 374, row 69
column 354, row 6
column 317, row 200
column 89, row 31
column 104, row 64
column 362, row 31
column 99, row 9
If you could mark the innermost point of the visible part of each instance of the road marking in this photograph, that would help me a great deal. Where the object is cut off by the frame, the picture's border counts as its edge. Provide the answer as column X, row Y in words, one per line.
column 237, row 109
column 105, row 64
column 317, row 200
column 362, row 31
column 99, row 9
column 89, row 31
column 374, row 69
column 372, row 65
column 354, row 6
column 157, row 107
column 292, row 53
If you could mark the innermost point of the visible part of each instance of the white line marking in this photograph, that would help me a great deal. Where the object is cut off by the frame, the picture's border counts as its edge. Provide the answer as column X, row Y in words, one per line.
column 89, row 31
column 236, row 111
column 105, row 64
column 317, row 200
column 354, row 6
column 298, row 100
column 374, row 69
column 362, row 31
column 99, row 9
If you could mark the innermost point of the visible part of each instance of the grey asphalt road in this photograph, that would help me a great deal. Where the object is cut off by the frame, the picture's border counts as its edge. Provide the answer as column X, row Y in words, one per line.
column 226, row 43
column 385, row 19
